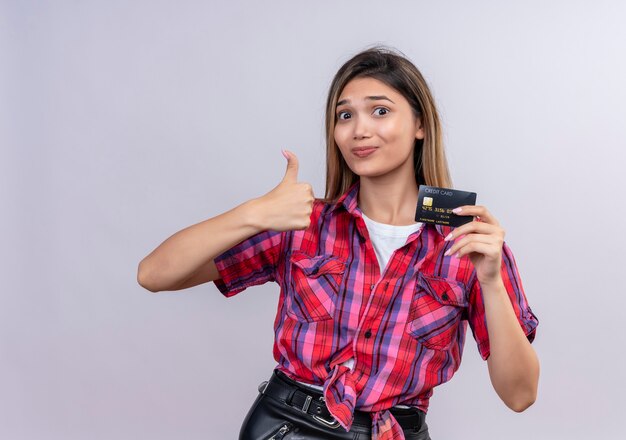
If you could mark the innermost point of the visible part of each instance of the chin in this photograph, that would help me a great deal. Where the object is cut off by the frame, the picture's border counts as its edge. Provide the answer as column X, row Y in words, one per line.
column 369, row 172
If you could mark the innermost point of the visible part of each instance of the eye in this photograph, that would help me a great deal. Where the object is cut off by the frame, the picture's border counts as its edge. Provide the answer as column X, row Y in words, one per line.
column 383, row 109
column 341, row 113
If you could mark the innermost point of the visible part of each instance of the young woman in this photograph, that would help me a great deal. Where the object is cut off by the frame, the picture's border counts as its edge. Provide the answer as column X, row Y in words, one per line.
column 374, row 307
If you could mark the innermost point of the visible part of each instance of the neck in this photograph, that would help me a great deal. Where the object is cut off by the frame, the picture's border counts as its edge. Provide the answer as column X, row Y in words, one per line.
column 389, row 201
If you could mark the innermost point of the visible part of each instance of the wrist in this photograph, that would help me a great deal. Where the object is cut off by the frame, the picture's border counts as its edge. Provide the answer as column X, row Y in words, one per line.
column 252, row 214
column 492, row 284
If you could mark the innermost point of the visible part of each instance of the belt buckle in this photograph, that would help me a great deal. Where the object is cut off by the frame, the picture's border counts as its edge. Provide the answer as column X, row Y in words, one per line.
column 331, row 424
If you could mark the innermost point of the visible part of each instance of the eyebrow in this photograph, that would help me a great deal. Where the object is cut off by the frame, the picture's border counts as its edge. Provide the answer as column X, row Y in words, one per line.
column 370, row 98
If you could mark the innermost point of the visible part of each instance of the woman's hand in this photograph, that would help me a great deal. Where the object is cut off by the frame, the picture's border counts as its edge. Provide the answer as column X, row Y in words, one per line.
column 481, row 240
column 289, row 205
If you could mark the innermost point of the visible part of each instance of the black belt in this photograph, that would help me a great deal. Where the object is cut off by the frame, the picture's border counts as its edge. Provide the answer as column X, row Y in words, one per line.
column 281, row 387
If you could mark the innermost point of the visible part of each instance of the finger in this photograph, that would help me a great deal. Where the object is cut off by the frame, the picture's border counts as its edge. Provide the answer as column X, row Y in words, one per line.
column 291, row 174
column 310, row 187
column 478, row 210
column 481, row 227
column 471, row 238
column 480, row 248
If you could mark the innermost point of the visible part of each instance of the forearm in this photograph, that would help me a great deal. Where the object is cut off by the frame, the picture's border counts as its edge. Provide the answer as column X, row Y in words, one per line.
column 513, row 364
column 179, row 256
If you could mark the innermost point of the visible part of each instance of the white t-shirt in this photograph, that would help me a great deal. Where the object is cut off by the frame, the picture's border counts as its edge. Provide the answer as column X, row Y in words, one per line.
column 385, row 239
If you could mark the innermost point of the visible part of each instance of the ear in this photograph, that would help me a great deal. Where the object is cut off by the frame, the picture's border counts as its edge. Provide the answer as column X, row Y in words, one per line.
column 419, row 134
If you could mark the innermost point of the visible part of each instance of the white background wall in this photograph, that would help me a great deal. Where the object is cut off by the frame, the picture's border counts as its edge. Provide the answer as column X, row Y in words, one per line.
column 122, row 122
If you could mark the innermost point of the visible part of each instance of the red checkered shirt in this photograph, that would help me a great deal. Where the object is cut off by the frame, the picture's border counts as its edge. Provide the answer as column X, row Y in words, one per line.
column 405, row 328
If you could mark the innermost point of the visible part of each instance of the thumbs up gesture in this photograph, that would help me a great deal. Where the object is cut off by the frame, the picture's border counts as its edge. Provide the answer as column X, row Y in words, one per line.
column 290, row 204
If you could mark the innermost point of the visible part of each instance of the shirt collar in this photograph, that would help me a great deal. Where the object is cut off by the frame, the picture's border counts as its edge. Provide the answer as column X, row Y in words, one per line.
column 349, row 199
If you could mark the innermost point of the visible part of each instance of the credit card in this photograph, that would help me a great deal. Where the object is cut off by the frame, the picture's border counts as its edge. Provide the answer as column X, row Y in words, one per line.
column 435, row 205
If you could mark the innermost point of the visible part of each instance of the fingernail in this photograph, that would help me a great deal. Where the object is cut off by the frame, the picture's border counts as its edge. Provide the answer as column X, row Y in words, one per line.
column 284, row 154
column 457, row 210
column 448, row 237
column 446, row 253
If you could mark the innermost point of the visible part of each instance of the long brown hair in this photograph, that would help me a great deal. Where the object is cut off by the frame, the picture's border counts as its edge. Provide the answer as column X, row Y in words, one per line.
column 395, row 70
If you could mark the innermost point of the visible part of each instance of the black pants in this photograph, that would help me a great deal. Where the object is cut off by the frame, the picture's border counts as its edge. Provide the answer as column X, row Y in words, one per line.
column 271, row 418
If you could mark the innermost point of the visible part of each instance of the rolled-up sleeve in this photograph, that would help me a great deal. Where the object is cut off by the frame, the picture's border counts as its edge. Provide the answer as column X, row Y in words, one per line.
column 513, row 285
column 251, row 262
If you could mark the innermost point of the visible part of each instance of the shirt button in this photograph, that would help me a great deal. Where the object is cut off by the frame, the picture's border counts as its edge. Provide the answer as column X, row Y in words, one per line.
column 368, row 334
column 371, row 286
column 445, row 297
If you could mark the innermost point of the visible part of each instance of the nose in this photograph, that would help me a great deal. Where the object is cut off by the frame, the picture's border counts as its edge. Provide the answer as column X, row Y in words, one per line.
column 361, row 128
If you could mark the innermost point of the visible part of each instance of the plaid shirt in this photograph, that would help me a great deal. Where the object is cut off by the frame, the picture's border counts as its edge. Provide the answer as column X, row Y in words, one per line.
column 405, row 329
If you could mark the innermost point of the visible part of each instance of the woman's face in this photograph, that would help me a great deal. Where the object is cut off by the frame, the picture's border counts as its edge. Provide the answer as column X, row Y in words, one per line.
column 372, row 114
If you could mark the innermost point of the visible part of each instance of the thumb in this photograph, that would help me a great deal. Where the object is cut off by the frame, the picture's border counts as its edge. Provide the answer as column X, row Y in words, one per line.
column 291, row 174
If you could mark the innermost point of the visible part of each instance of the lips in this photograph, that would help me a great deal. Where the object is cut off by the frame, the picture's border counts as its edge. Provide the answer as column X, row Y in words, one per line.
column 363, row 151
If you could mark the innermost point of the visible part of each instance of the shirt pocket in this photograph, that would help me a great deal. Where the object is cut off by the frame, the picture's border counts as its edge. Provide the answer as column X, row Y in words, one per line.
column 316, row 281
column 436, row 310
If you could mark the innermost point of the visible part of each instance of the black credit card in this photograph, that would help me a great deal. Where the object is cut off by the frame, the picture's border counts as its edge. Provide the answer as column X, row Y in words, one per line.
column 435, row 205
